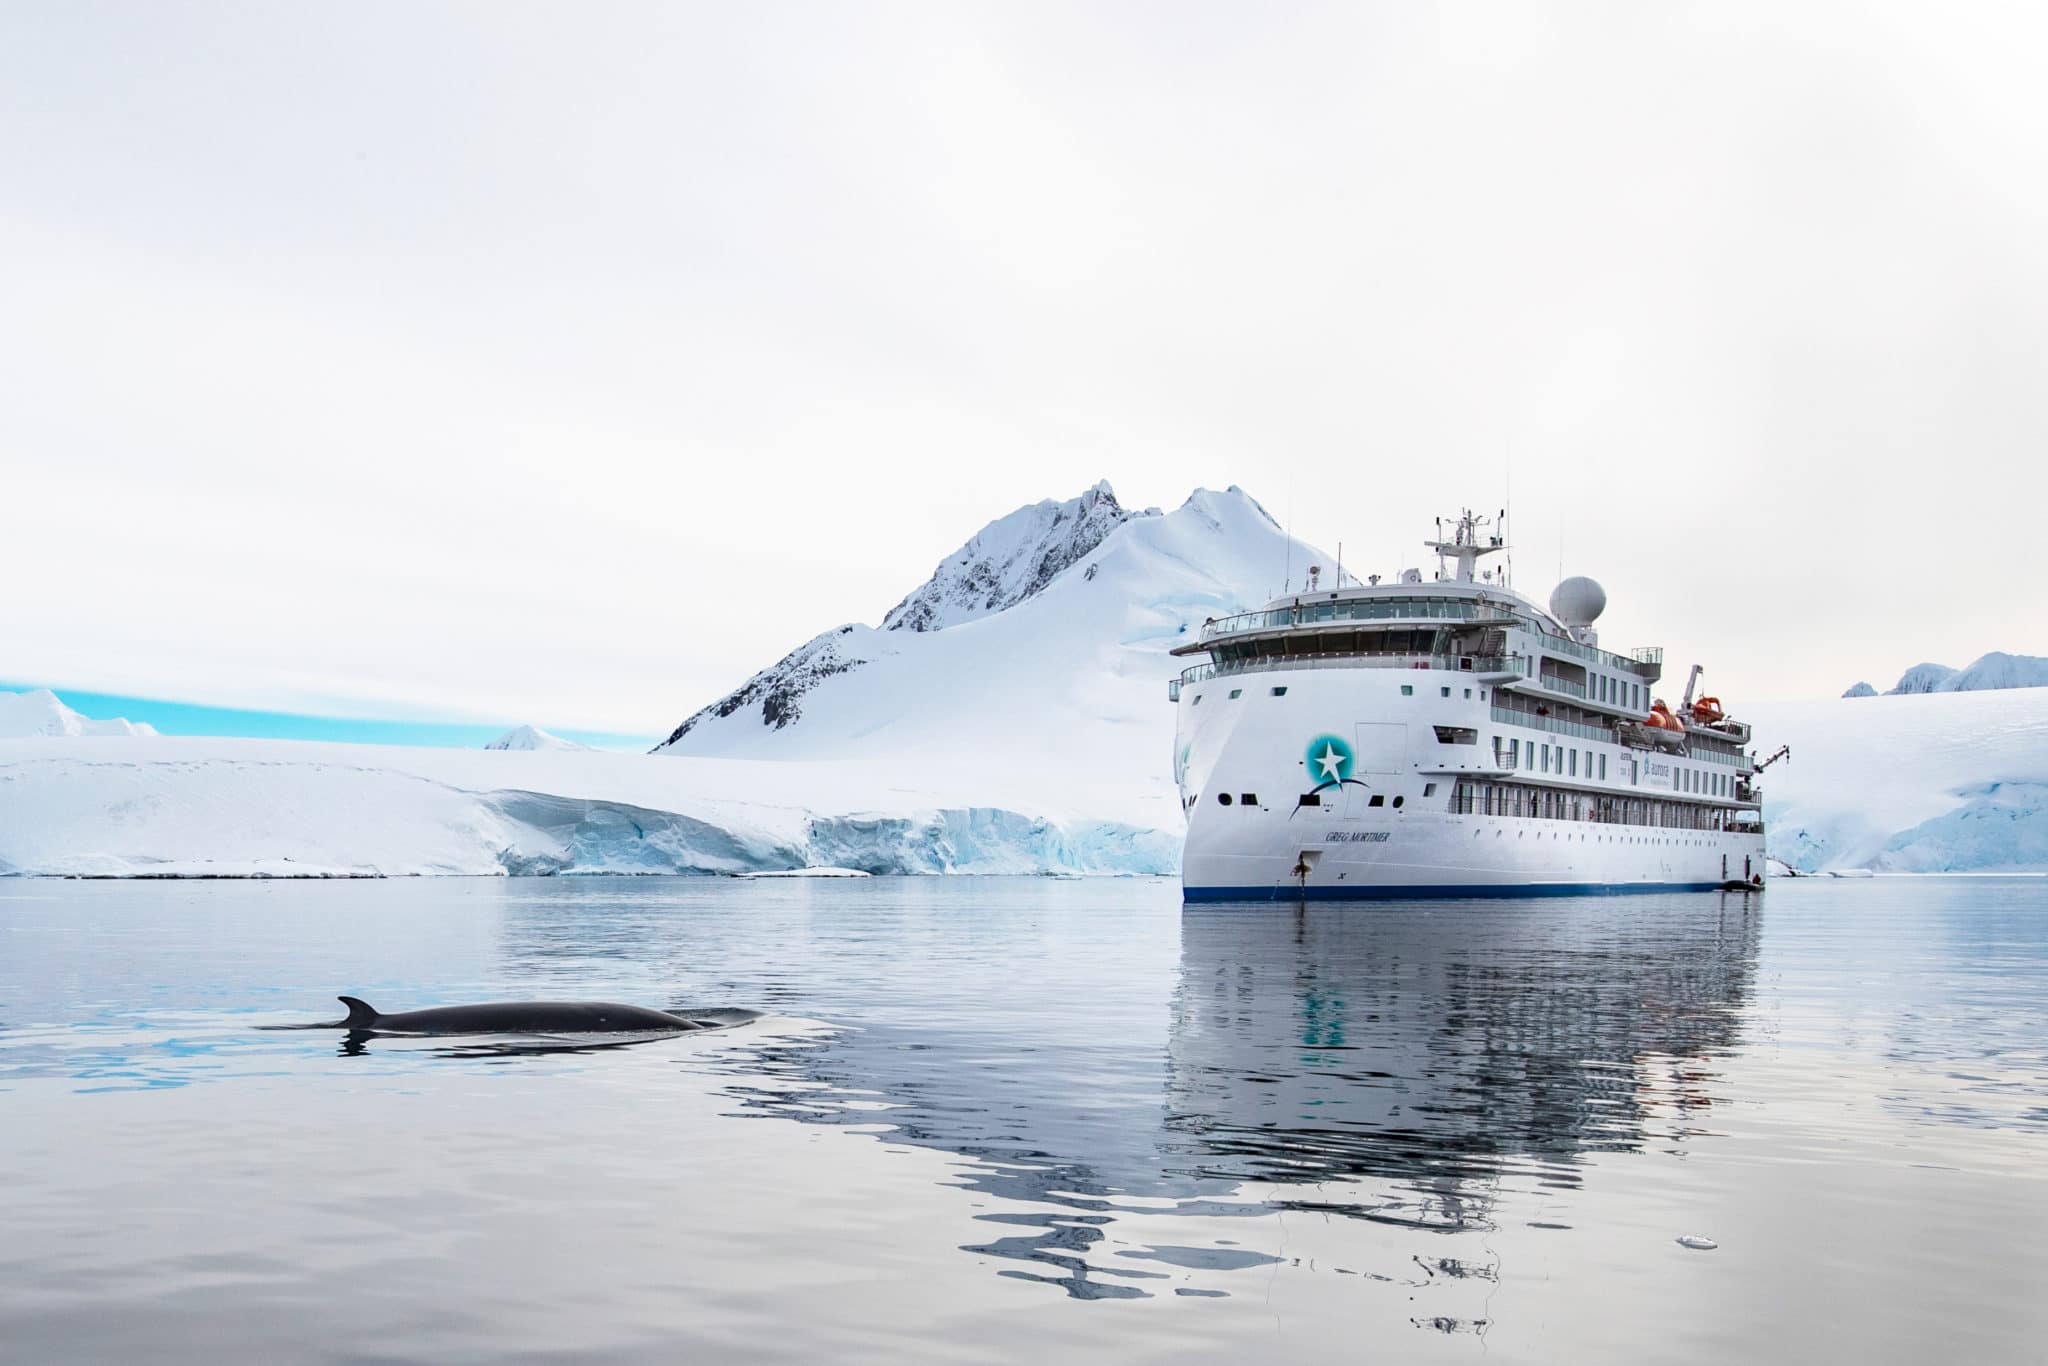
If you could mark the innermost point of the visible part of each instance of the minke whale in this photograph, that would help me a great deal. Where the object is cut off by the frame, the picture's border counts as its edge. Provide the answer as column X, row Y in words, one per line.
column 528, row 1017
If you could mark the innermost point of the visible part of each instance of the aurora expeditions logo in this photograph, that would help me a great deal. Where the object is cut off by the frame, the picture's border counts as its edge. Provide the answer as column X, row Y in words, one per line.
column 1329, row 761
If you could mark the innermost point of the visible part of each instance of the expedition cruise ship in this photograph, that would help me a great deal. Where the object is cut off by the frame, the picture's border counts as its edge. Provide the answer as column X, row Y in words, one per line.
column 1451, row 738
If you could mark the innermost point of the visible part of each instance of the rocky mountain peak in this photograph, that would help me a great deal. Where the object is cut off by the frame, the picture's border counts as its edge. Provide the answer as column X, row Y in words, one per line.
column 1009, row 560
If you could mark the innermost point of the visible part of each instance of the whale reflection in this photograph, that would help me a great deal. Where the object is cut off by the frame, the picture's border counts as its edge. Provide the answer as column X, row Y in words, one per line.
column 1390, row 1064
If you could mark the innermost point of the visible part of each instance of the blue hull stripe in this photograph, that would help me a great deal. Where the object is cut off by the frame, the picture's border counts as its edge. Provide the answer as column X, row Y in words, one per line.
column 1369, row 891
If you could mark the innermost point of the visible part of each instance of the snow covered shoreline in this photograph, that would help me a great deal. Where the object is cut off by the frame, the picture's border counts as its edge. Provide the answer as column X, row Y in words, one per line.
column 1951, row 783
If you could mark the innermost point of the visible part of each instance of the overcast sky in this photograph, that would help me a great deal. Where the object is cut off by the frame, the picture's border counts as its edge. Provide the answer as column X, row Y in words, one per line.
column 568, row 363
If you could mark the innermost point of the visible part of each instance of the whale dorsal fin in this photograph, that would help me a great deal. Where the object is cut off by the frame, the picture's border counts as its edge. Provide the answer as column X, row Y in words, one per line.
column 361, row 1014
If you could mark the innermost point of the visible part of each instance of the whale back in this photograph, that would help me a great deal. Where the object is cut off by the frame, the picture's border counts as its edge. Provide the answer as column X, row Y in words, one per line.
column 361, row 1014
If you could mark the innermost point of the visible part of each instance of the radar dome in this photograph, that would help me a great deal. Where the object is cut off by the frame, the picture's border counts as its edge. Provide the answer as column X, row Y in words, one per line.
column 1578, row 601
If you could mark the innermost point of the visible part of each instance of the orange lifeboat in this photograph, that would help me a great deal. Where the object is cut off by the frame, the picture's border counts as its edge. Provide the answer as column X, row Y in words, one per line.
column 1708, row 709
column 1660, row 717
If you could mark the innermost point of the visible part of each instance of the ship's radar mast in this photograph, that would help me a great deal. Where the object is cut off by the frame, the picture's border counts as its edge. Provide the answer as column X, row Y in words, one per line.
column 1472, row 539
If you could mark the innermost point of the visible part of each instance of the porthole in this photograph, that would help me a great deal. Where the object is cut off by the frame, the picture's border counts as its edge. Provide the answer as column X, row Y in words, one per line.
column 1398, row 801
column 1223, row 798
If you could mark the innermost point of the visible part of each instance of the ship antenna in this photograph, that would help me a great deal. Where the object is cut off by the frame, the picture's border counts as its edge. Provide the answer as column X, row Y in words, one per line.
column 1509, row 474
column 1287, row 584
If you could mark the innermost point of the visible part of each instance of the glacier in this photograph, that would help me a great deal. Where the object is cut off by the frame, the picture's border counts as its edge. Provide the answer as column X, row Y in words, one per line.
column 1941, row 782
column 193, row 807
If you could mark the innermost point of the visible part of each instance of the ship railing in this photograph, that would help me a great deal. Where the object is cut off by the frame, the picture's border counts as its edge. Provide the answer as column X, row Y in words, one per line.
column 1474, row 664
column 1362, row 609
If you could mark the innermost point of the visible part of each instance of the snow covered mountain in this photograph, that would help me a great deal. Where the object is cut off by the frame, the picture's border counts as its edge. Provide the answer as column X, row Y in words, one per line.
column 1860, row 690
column 532, row 737
column 1049, row 677
column 1989, row 673
column 2000, row 670
column 39, row 712
column 1924, row 678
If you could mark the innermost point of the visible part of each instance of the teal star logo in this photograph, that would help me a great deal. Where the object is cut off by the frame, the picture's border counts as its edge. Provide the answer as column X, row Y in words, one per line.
column 1329, row 759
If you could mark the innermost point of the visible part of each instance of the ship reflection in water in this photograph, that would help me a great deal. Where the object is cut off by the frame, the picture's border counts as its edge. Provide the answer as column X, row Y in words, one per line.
column 1397, row 1064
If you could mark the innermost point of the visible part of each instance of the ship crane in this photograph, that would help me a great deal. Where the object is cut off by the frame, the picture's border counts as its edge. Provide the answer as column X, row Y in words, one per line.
column 1784, row 752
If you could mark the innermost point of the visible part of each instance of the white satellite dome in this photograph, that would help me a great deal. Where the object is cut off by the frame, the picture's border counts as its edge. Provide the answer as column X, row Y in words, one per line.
column 1578, row 601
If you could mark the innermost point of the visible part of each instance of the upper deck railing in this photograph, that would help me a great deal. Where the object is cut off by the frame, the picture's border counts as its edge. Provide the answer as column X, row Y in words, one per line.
column 1355, row 609
column 1477, row 664
column 1648, row 660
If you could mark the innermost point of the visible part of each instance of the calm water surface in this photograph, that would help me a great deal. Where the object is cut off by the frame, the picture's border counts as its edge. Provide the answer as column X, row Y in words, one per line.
column 995, row 1119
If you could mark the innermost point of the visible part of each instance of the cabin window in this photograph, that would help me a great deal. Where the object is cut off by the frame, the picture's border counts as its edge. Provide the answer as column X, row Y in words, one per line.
column 1603, row 768
column 1456, row 735
column 1279, row 692
column 1236, row 693
column 1197, row 702
column 1546, row 759
column 1446, row 692
column 1248, row 799
column 1377, row 800
column 1407, row 690
column 1429, row 789
column 1468, row 694
column 1223, row 799
column 1575, row 764
column 1310, row 799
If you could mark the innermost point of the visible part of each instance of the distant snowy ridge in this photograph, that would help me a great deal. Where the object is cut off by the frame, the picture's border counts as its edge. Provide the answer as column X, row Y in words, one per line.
column 1989, row 673
column 38, row 712
column 532, row 737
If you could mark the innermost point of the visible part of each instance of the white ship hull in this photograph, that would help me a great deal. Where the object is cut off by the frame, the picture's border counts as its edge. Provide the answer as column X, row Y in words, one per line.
column 1391, row 809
